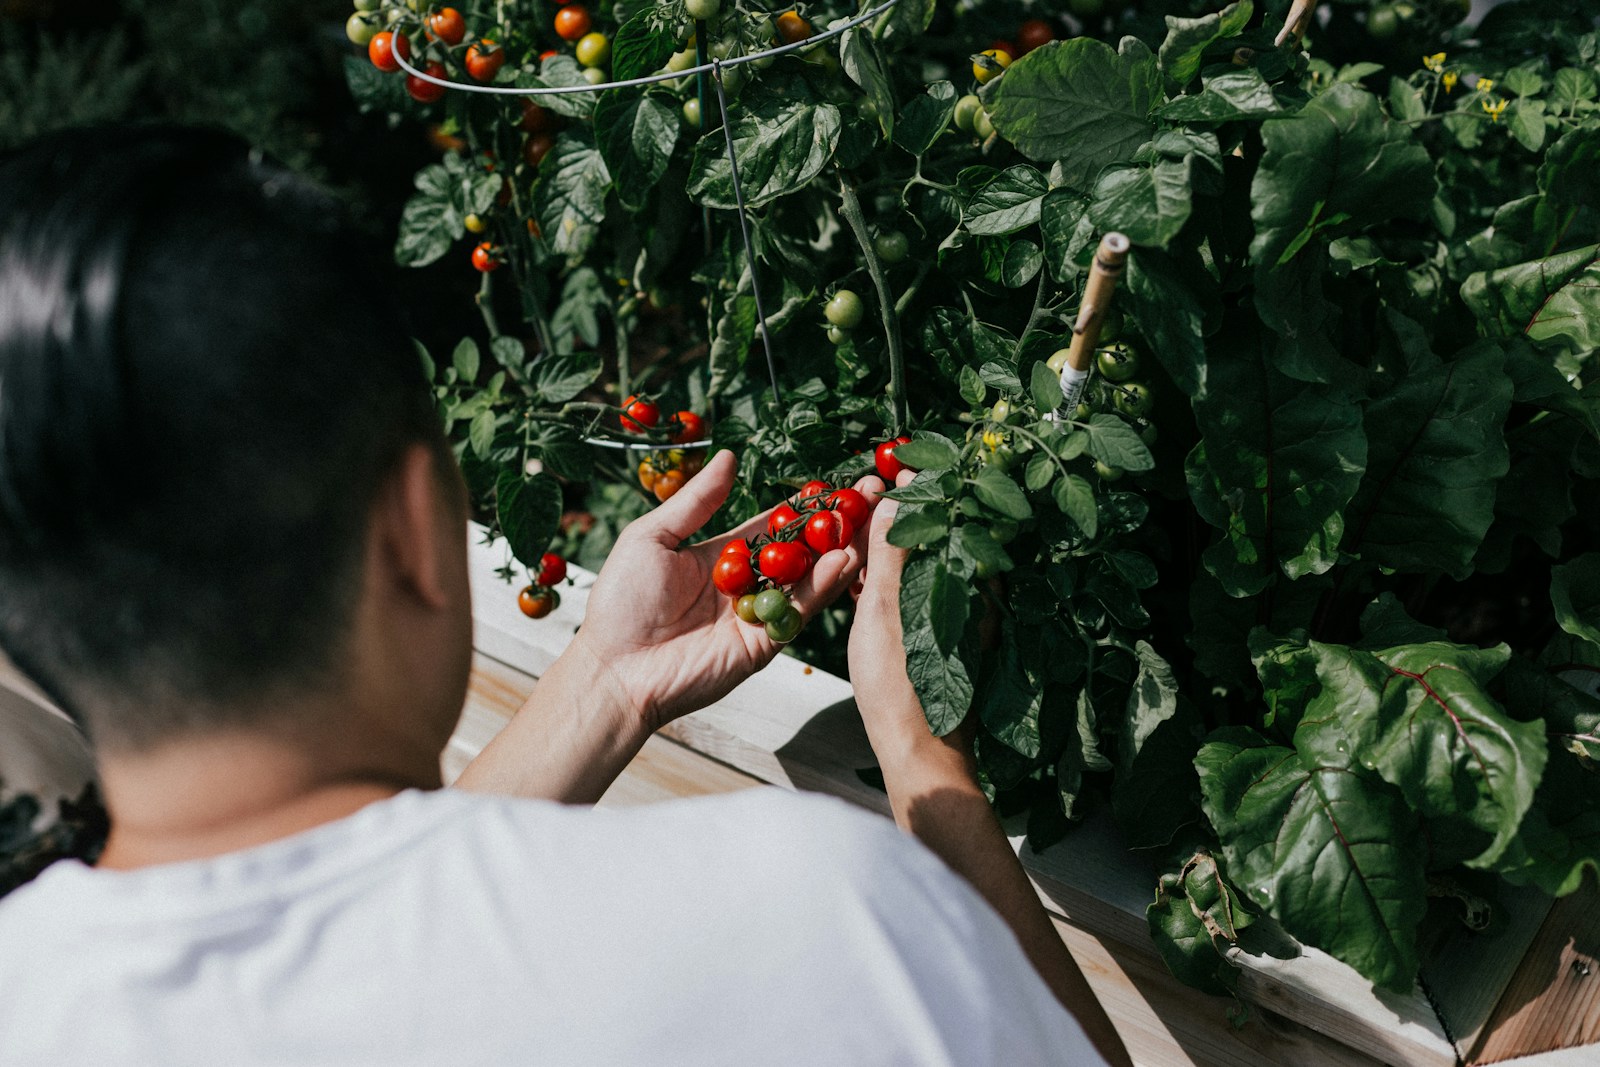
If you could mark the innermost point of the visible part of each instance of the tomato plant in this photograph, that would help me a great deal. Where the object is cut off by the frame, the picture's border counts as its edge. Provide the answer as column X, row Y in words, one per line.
column 1320, row 533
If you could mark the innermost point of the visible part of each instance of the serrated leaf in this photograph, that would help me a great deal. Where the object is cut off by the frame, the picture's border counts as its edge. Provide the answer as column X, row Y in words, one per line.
column 998, row 491
column 1006, row 203
column 925, row 118
column 781, row 143
column 480, row 433
column 1045, row 385
column 1227, row 97
column 928, row 451
column 1021, row 264
column 1168, row 297
column 570, row 199
column 562, row 378
column 972, row 387
column 972, row 544
column 1040, row 471
column 1150, row 204
column 1114, row 442
column 928, row 487
column 529, row 512
column 638, row 49
column 1076, row 500
column 635, row 135
column 948, row 604
column 915, row 525
column 1011, row 701
column 1185, row 46
column 941, row 681
column 858, row 55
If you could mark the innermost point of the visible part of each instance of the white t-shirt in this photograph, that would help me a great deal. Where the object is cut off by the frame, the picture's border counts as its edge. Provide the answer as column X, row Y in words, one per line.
column 452, row 928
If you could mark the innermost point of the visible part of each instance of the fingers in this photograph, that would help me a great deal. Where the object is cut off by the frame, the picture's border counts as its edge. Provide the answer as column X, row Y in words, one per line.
column 887, row 561
column 692, row 506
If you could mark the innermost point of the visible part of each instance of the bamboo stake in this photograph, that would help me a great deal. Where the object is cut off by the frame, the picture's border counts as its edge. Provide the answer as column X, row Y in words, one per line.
column 1110, row 260
column 1298, row 19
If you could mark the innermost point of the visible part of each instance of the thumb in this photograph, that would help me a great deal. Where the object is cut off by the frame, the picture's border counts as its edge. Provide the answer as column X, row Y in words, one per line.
column 885, row 561
column 692, row 506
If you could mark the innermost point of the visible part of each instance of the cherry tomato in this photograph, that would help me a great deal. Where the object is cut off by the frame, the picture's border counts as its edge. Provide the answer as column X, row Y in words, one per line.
column 572, row 22
column 786, row 628
column 814, row 490
column 967, row 109
column 784, row 562
column 1034, row 33
column 361, row 27
column 535, row 119
column 552, row 569
column 448, row 25
column 594, row 50
column 1058, row 359
column 640, row 414
column 828, row 530
column 781, row 516
column 691, row 113
column 690, row 427
column 983, row 125
column 985, row 72
column 733, row 576
column 884, row 457
column 693, row 462
column 852, row 505
column 1107, row 472
column 474, row 224
column 667, row 484
column 837, row 336
column 535, row 148
column 891, row 246
column 702, row 9
column 485, row 258
column 384, row 46
column 426, row 92
column 484, row 60
column 792, row 27
column 844, row 310
column 738, row 547
column 648, row 475
column 771, row 604
column 594, row 75
column 537, row 603
column 1133, row 399
column 1118, row 361
column 745, row 608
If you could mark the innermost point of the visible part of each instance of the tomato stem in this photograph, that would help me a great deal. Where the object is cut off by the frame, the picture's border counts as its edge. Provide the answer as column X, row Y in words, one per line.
column 850, row 208
column 485, row 302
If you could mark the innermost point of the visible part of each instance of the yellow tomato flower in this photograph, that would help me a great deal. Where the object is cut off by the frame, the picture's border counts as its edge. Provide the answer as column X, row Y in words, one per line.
column 1485, row 84
column 1434, row 62
column 1494, row 108
column 1450, row 78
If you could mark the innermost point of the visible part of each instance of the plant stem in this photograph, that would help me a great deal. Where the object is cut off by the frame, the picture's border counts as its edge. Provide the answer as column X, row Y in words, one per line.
column 850, row 208
column 485, row 302
column 1034, row 315
column 624, row 356
column 911, row 290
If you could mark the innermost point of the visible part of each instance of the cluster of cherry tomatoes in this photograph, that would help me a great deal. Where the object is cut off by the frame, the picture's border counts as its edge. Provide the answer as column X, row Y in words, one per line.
column 540, row 598
column 663, row 473
column 755, row 573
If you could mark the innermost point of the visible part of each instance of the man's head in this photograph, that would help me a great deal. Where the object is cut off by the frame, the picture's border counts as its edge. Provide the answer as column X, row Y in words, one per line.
column 206, row 397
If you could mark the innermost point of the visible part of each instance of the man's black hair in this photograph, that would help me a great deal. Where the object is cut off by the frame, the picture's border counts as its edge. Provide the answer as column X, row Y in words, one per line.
column 203, row 378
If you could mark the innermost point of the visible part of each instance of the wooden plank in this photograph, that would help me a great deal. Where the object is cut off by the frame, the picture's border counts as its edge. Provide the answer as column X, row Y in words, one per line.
column 1553, row 1001
column 1469, row 971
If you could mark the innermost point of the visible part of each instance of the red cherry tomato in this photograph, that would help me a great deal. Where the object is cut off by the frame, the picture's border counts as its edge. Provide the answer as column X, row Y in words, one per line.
column 572, row 22
column 814, row 490
column 667, row 484
column 485, row 59
column 426, row 92
column 691, row 427
column 537, row 147
column 485, row 258
column 448, row 25
column 1034, row 33
column 537, row 603
column 733, row 575
column 640, row 414
column 852, row 505
column 535, row 119
column 785, row 562
column 888, row 465
column 384, row 46
column 552, row 569
column 827, row 531
column 740, row 547
column 782, row 515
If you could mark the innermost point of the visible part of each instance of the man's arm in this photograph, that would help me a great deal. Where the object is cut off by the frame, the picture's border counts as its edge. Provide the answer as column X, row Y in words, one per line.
column 657, row 642
column 933, row 788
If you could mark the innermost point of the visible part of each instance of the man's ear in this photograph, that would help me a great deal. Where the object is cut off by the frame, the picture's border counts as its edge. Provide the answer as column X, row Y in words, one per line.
column 411, row 524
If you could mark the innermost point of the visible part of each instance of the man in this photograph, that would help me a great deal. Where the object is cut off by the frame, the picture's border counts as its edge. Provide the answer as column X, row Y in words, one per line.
column 232, row 544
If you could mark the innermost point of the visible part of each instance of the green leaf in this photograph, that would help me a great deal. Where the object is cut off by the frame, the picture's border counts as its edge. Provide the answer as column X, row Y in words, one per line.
column 465, row 359
column 429, row 225
column 925, row 118
column 635, row 135
column 570, row 199
column 928, row 487
column 1150, row 205
column 562, row 378
column 1012, row 699
column 480, row 433
column 928, row 452
column 972, row 544
column 1333, row 855
column 1526, row 123
column 1421, row 716
column 1075, row 498
column 1556, row 297
column 1167, row 297
column 1559, row 842
column 1045, row 386
column 948, row 603
column 1022, row 263
column 998, row 491
column 1006, row 203
column 1040, row 471
column 1575, row 595
column 1156, row 744
column 1114, row 442
column 858, row 54
column 1068, row 233
column 972, row 387
column 1078, row 102
column 941, row 680
column 561, row 70
column 529, row 512
column 781, row 144
column 1185, row 940
column 1187, row 39
column 1436, row 448
column 1277, row 464
column 638, row 49
column 1227, row 97
column 915, row 525
column 1567, row 173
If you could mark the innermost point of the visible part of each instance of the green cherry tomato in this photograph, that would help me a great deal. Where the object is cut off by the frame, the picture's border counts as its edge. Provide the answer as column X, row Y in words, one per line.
column 1106, row 471
column 594, row 50
column 891, row 246
column 691, row 113
column 982, row 126
column 1058, row 359
column 967, row 109
column 845, row 310
column 770, row 605
column 1118, row 362
column 361, row 27
column 1003, row 531
column 1000, row 411
column 702, row 9
column 838, row 336
column 1133, row 399
column 786, row 627
column 594, row 75
column 1382, row 23
column 680, row 60
column 1146, row 430
column 745, row 608
column 1083, row 411
column 367, row 5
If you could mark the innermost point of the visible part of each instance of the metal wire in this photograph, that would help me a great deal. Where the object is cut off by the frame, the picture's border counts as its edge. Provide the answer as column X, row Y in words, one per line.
column 650, row 79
